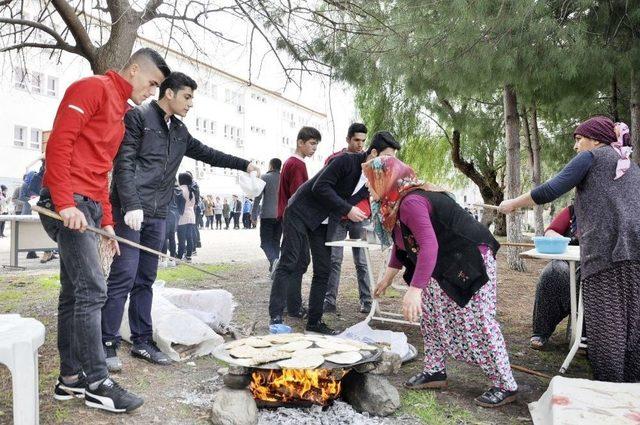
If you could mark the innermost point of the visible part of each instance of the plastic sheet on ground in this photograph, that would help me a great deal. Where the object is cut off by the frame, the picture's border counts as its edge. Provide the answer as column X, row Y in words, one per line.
column 570, row 401
column 180, row 330
column 397, row 341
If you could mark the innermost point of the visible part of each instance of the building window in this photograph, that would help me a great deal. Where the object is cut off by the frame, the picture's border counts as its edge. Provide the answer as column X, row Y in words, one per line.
column 19, row 136
column 36, row 82
column 212, row 127
column 36, row 138
column 52, row 86
column 197, row 124
column 226, row 131
column 20, row 78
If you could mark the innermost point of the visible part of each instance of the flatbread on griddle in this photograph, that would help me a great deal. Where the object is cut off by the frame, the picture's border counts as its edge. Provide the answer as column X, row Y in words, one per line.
column 348, row 357
column 295, row 345
column 313, row 352
column 306, row 362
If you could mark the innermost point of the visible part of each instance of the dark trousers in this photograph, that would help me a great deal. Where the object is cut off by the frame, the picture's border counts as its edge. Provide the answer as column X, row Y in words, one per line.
column 132, row 274
column 612, row 317
column 209, row 222
column 236, row 220
column 218, row 221
column 294, row 260
column 2, row 223
column 270, row 234
column 195, row 235
column 246, row 220
column 170, row 232
column 338, row 232
column 83, row 292
column 227, row 219
column 185, row 238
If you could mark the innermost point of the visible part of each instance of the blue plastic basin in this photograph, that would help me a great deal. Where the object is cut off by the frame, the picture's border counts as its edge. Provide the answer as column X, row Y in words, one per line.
column 551, row 245
column 280, row 329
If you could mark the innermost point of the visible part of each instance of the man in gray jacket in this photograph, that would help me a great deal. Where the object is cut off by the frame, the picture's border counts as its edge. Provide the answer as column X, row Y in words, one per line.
column 270, row 226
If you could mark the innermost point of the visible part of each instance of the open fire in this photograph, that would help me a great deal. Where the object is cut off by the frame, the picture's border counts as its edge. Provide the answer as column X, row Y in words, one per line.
column 296, row 386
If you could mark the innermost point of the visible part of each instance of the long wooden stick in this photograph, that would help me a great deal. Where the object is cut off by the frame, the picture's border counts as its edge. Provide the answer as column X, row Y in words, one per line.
column 518, row 244
column 531, row 372
column 54, row 215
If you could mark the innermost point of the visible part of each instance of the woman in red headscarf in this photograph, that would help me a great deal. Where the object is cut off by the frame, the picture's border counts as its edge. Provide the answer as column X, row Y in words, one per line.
column 607, row 204
column 449, row 258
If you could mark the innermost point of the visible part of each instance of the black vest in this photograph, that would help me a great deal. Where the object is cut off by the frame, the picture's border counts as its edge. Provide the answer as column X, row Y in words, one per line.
column 459, row 269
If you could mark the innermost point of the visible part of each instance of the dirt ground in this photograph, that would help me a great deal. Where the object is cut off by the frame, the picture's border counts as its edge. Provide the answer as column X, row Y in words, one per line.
column 181, row 393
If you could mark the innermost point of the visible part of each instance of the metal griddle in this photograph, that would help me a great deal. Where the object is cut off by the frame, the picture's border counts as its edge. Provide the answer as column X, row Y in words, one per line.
column 221, row 354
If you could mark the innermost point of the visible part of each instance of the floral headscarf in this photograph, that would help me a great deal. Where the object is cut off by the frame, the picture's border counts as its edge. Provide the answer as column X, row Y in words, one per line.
column 390, row 180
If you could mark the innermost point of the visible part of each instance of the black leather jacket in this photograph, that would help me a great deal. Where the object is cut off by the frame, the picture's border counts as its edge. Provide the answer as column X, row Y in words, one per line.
column 145, row 168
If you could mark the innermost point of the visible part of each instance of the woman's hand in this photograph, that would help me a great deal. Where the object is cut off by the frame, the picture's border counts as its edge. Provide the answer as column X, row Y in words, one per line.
column 381, row 287
column 412, row 304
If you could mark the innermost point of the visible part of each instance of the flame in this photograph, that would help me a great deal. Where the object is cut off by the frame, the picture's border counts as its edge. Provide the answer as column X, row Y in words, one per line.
column 296, row 385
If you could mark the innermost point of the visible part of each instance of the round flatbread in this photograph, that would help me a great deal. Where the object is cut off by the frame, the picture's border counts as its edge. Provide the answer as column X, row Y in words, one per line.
column 257, row 342
column 284, row 338
column 232, row 344
column 295, row 345
column 313, row 352
column 361, row 345
column 336, row 345
column 244, row 352
column 306, row 362
column 349, row 357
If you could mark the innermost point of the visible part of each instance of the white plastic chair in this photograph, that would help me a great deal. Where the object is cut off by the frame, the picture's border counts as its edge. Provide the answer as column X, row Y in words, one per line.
column 20, row 339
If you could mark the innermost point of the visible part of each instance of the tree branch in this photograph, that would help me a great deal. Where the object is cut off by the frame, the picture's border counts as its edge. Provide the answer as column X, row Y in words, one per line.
column 78, row 31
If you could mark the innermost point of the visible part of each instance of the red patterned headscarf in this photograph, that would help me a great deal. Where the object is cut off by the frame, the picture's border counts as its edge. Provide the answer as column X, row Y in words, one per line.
column 390, row 180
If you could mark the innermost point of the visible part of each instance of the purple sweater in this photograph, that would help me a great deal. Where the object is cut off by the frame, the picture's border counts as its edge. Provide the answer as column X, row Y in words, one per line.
column 412, row 214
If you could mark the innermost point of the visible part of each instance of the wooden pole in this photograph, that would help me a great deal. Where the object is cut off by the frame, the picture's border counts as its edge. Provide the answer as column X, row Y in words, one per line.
column 108, row 235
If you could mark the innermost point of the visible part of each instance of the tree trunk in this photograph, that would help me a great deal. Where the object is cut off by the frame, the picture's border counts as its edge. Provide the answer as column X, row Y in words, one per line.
column 487, row 183
column 614, row 99
column 635, row 114
column 512, row 132
column 536, row 174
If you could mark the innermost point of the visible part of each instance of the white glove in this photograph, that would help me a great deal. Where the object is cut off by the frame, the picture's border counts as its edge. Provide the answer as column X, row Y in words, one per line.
column 134, row 219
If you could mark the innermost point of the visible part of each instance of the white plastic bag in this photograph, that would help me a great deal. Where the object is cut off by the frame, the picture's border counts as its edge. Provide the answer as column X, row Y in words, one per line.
column 177, row 333
column 365, row 333
column 250, row 184
column 213, row 306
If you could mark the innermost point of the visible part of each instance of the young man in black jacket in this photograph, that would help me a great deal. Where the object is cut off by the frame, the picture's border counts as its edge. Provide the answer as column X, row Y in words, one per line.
column 332, row 190
column 143, row 178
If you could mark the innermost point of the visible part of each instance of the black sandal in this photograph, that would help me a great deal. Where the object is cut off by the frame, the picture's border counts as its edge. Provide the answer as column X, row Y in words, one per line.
column 437, row 380
column 495, row 397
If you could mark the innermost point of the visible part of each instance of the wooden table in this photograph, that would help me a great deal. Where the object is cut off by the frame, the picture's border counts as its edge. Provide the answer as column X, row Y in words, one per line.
column 576, row 318
column 376, row 313
column 27, row 234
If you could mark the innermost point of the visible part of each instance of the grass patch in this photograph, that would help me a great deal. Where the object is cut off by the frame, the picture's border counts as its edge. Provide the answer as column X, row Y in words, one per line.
column 10, row 300
column 51, row 282
column 425, row 406
column 183, row 272
column 393, row 293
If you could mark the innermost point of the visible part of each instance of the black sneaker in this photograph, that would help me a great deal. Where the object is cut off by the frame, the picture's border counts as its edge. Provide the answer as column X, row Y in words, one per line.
column 64, row 391
column 495, row 397
column 276, row 320
column 321, row 328
column 329, row 308
column 365, row 308
column 112, row 397
column 300, row 314
column 150, row 352
column 111, row 356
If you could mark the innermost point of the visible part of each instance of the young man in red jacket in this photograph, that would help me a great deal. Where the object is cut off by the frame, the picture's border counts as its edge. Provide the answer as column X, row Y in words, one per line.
column 292, row 176
column 86, row 135
column 338, row 228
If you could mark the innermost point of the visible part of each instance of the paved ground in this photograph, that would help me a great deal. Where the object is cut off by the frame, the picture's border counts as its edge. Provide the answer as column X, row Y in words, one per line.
column 218, row 246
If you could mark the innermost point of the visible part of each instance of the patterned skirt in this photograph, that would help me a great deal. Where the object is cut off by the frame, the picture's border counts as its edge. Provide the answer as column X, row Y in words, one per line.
column 612, row 317
column 470, row 333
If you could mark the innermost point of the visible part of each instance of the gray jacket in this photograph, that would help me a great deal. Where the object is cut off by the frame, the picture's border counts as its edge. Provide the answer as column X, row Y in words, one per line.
column 607, row 213
column 266, row 204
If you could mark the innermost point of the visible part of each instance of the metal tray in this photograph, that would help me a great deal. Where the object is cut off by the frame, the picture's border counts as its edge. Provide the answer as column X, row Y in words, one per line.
column 220, row 353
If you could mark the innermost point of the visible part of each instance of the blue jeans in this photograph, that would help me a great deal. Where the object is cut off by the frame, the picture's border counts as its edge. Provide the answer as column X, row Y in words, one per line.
column 83, row 292
column 186, row 237
column 132, row 274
